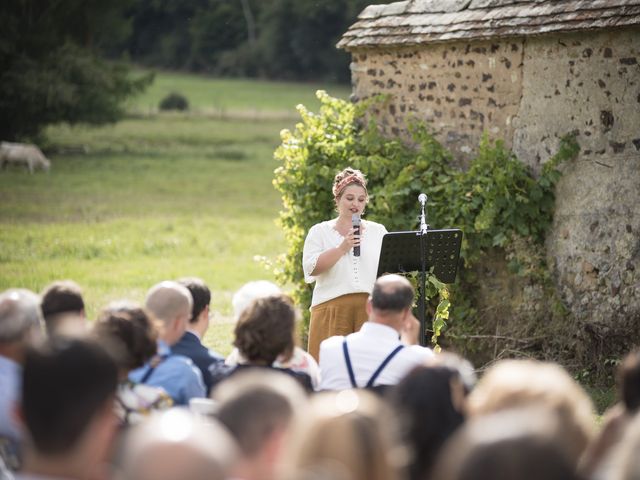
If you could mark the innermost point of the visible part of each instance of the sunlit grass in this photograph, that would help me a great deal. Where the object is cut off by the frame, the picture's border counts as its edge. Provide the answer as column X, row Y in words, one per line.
column 156, row 197
column 216, row 94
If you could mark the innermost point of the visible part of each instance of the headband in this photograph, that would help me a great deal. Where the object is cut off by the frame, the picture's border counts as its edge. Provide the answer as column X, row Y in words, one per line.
column 345, row 182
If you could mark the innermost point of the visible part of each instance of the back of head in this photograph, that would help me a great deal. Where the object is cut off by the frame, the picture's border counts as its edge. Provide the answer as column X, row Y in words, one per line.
column 177, row 444
column 266, row 329
column 20, row 315
column 168, row 300
column 130, row 332
column 254, row 405
column 67, row 382
column 626, row 461
column 62, row 300
column 629, row 381
column 200, row 294
column 345, row 437
column 251, row 291
column 430, row 401
column 523, row 383
column 392, row 294
column 509, row 445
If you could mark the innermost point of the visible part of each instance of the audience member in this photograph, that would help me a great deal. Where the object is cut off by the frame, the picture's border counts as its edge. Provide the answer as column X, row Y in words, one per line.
column 460, row 364
column 264, row 332
column 517, row 444
column 345, row 436
column 63, row 308
column 259, row 409
column 67, row 409
column 625, row 462
column 384, row 350
column 171, row 303
column 524, row 383
column 300, row 360
column 190, row 345
column 20, row 327
column 599, row 458
column 176, row 444
column 430, row 403
column 131, row 333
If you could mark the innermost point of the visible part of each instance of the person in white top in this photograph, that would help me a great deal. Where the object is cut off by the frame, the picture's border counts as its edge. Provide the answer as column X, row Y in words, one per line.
column 384, row 350
column 343, row 277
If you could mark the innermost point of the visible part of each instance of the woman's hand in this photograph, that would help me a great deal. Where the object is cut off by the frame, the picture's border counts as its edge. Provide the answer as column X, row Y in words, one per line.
column 350, row 240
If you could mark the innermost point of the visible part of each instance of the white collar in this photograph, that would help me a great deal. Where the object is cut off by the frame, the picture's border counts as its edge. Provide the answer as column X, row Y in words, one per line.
column 379, row 330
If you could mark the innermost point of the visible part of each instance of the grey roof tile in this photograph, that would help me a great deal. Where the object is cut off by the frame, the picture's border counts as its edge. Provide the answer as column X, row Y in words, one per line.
column 426, row 21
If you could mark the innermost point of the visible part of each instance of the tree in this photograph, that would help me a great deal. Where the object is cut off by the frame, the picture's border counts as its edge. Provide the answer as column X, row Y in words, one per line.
column 50, row 70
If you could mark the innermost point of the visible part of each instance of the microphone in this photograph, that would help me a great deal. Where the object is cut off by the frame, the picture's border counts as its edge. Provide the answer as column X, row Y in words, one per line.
column 422, row 198
column 355, row 223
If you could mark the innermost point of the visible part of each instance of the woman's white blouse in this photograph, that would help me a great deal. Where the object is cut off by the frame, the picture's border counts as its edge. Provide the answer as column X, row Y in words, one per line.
column 350, row 274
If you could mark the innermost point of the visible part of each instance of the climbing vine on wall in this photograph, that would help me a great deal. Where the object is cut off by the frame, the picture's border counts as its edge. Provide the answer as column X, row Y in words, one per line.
column 496, row 201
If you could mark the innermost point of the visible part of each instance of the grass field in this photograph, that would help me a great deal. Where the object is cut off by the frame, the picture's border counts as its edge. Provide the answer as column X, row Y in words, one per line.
column 234, row 96
column 153, row 197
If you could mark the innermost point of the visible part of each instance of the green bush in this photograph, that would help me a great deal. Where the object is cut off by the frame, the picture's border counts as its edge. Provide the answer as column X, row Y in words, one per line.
column 495, row 201
column 174, row 101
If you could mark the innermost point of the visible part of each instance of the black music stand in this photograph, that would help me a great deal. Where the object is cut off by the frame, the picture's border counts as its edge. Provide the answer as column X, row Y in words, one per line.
column 436, row 250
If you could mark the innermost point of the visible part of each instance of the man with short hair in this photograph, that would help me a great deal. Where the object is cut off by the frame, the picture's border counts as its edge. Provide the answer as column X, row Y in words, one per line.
column 68, row 394
column 190, row 345
column 177, row 444
column 63, row 308
column 20, row 327
column 384, row 350
column 259, row 409
column 171, row 303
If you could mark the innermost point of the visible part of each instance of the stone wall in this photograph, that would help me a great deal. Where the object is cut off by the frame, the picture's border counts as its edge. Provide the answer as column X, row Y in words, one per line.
column 461, row 90
column 590, row 83
column 530, row 92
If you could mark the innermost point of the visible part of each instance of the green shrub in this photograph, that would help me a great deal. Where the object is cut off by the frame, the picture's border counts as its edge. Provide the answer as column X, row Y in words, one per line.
column 174, row 101
column 494, row 202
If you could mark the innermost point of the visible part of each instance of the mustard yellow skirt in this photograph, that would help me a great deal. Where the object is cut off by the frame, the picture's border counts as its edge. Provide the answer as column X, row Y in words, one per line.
column 340, row 316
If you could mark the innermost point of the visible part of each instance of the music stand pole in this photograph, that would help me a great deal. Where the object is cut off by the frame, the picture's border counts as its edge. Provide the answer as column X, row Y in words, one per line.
column 422, row 198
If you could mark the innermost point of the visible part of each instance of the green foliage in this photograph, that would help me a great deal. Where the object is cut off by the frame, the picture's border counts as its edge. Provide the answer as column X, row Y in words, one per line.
column 174, row 101
column 276, row 39
column 49, row 72
column 494, row 201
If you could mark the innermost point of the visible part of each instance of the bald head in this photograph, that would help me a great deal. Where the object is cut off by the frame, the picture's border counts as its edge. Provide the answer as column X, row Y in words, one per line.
column 177, row 444
column 168, row 300
column 20, row 315
column 392, row 294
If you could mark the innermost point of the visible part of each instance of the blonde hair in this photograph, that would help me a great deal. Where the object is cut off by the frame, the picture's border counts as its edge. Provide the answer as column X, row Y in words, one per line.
column 348, row 176
column 346, row 438
column 528, row 383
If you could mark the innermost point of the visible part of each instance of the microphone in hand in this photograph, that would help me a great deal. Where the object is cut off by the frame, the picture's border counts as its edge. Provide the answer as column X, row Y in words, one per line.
column 355, row 223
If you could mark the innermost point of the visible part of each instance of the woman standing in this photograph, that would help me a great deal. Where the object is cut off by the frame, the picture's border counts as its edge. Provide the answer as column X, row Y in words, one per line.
column 343, row 281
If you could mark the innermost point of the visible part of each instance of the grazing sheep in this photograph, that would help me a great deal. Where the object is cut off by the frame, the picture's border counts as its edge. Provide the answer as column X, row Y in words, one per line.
column 23, row 154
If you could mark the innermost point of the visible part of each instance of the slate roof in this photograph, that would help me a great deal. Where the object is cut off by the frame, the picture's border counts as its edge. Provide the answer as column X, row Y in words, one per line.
column 415, row 22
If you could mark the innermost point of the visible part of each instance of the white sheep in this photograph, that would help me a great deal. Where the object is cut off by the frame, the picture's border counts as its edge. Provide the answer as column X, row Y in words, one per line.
column 23, row 154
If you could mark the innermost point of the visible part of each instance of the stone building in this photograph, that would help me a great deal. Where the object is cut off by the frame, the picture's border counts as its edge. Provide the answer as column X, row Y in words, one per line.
column 529, row 72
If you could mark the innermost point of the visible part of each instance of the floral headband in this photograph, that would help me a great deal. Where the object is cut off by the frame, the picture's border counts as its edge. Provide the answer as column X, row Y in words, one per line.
column 345, row 182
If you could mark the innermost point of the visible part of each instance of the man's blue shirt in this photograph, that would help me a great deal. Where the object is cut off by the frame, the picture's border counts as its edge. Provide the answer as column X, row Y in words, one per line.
column 176, row 374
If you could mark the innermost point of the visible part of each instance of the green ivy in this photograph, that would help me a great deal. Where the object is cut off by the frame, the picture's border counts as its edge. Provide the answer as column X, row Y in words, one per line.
column 496, row 202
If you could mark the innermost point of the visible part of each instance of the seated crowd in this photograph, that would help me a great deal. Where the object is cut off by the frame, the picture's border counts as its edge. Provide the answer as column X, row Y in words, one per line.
column 136, row 395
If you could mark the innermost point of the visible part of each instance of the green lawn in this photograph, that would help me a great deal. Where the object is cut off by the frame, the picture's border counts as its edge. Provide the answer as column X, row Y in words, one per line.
column 239, row 96
column 152, row 198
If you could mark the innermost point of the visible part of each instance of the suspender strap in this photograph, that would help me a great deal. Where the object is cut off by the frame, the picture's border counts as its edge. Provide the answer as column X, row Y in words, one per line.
column 383, row 364
column 347, row 359
column 378, row 371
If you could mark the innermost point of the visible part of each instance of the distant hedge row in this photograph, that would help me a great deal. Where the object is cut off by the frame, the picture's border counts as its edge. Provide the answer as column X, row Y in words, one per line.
column 277, row 39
